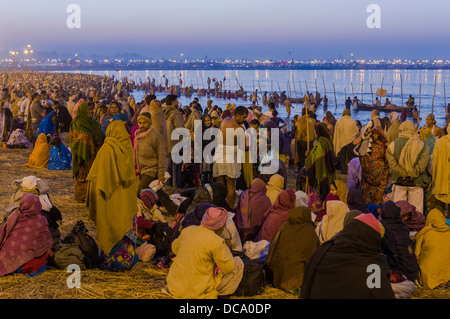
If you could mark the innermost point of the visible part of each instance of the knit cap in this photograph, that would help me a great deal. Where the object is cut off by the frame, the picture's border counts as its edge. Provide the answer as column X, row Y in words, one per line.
column 214, row 218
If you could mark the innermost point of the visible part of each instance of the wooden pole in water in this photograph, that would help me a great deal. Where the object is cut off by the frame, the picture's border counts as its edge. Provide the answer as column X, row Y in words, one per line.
column 432, row 103
column 324, row 88
column 362, row 92
column 295, row 90
column 335, row 101
column 315, row 81
column 445, row 99
column 306, row 86
column 353, row 93
column 392, row 92
column 401, row 86
column 371, row 93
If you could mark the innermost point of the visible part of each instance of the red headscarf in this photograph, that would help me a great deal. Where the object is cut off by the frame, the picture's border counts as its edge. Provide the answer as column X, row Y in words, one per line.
column 24, row 235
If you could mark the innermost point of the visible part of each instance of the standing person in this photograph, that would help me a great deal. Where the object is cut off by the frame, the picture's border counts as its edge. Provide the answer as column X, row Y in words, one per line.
column 375, row 168
column 86, row 138
column 227, row 165
column 159, row 124
column 441, row 172
column 149, row 152
column 320, row 163
column 392, row 132
column 174, row 120
column 37, row 114
column 304, row 134
column 204, row 266
column 430, row 132
column 111, row 193
column 408, row 162
column 62, row 123
column 348, row 103
column 345, row 132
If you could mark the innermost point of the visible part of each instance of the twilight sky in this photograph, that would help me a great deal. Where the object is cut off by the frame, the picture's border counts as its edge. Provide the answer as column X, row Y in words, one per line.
column 266, row 29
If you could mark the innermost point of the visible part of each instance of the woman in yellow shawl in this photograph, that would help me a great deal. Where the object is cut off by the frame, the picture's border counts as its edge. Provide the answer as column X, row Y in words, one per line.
column 111, row 197
column 433, row 251
column 41, row 153
column 274, row 187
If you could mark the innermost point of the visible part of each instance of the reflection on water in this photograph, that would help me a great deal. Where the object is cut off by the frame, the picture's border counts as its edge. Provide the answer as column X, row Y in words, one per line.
column 426, row 86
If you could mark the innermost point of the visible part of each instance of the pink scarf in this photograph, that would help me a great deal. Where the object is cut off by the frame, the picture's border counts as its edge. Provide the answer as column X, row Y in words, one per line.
column 24, row 235
column 139, row 135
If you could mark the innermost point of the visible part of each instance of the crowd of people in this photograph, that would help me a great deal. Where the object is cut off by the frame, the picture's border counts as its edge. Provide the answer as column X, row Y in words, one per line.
column 388, row 207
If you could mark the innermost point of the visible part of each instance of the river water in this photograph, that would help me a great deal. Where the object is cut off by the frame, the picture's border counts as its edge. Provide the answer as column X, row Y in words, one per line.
column 426, row 86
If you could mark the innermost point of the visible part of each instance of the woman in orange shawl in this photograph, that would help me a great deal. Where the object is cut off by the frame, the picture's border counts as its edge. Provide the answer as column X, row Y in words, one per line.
column 41, row 153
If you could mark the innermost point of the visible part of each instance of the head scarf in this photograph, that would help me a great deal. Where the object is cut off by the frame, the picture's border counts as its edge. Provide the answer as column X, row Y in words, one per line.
column 407, row 129
column 85, row 137
column 114, row 164
column 350, row 215
column 416, row 221
column 355, row 201
column 40, row 155
column 274, row 186
column 24, row 235
column 369, row 220
column 252, row 205
column 276, row 215
column 293, row 245
column 47, row 126
column 348, row 254
column 214, row 218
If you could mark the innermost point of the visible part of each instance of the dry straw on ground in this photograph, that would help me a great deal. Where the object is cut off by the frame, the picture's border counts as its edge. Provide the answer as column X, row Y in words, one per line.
column 144, row 281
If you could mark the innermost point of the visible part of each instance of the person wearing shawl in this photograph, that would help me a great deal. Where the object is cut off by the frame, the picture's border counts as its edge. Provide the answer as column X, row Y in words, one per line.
column 354, row 175
column 149, row 152
column 40, row 155
column 375, row 168
column 276, row 215
column 333, row 221
column 432, row 251
column 159, row 123
column 320, row 163
column 412, row 218
column 330, row 121
column 113, row 109
column 86, row 138
column 430, row 132
column 392, row 132
column 252, row 205
column 345, row 132
column 397, row 243
column 274, row 187
column 355, row 201
column 203, row 267
column 290, row 250
column 339, row 268
column 47, row 125
column 60, row 156
column 117, row 117
column 25, row 239
column 441, row 171
column 206, row 169
column 408, row 161
column 111, row 195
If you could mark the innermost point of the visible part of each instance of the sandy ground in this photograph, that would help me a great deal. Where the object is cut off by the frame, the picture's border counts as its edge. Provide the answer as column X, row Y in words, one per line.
column 144, row 281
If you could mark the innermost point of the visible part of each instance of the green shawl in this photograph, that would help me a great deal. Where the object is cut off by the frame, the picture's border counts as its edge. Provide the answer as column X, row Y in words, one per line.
column 85, row 137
